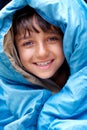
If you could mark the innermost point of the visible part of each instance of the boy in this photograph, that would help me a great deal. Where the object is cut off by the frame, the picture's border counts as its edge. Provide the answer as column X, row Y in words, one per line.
column 39, row 47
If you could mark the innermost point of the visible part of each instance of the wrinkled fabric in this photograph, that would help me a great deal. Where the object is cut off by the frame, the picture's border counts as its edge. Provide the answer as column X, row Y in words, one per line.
column 67, row 110
column 21, row 102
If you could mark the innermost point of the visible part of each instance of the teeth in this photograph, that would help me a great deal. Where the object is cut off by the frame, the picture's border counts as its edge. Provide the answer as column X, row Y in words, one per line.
column 43, row 63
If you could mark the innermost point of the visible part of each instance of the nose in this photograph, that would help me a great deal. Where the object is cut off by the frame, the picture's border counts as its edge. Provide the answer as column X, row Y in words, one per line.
column 42, row 51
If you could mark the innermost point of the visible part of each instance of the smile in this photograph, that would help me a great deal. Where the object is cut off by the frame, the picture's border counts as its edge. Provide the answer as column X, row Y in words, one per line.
column 44, row 63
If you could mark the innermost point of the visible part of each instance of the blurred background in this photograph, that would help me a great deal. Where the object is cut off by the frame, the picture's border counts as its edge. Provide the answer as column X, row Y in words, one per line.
column 3, row 3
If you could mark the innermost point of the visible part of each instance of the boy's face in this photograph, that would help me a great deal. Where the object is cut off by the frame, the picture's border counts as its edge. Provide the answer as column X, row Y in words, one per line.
column 40, row 53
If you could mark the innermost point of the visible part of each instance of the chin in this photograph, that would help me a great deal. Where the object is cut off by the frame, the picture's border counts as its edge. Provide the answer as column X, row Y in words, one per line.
column 45, row 77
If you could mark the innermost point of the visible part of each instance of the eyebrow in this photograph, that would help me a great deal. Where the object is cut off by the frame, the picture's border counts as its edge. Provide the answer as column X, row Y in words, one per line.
column 22, row 38
column 54, row 32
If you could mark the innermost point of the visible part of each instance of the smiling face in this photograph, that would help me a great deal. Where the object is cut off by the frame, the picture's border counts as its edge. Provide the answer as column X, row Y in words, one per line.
column 40, row 52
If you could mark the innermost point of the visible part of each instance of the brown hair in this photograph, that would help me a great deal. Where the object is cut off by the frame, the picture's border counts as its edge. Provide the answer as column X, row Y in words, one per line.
column 22, row 22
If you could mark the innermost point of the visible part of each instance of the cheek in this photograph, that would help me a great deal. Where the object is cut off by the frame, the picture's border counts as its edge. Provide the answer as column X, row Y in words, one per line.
column 24, row 55
column 59, row 55
column 58, row 50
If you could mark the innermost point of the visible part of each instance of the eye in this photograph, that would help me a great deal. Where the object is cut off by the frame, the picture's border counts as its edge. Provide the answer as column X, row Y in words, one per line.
column 27, row 44
column 54, row 38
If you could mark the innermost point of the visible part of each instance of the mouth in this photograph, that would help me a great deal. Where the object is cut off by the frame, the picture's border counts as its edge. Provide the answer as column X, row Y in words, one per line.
column 45, row 64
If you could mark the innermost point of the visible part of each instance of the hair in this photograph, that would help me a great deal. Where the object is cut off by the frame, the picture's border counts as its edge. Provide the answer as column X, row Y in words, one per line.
column 22, row 22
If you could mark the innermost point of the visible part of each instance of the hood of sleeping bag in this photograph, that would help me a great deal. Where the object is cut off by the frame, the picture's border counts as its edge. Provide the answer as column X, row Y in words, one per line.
column 71, row 17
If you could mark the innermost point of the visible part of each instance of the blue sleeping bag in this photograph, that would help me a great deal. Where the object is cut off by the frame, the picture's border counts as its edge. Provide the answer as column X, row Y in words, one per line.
column 25, row 106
